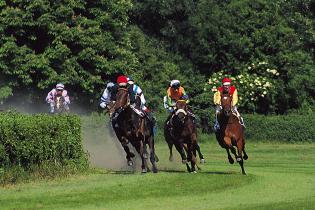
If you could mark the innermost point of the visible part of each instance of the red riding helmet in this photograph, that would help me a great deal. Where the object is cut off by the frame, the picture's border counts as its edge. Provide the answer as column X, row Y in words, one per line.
column 226, row 81
column 122, row 80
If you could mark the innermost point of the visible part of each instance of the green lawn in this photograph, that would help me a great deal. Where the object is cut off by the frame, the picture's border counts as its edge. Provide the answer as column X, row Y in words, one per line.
column 280, row 176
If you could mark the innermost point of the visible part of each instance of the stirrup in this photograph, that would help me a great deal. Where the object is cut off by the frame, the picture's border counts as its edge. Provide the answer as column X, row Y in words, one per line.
column 216, row 126
column 242, row 122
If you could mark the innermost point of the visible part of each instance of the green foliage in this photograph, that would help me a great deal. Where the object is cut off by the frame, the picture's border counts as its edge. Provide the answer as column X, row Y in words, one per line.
column 231, row 35
column 74, row 42
column 256, row 87
column 33, row 140
column 290, row 128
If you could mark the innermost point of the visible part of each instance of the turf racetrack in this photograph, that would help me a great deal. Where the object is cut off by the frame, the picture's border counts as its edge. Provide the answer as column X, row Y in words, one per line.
column 280, row 176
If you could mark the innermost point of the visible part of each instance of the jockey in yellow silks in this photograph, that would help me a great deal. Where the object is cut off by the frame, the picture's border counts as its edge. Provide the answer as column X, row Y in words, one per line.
column 226, row 88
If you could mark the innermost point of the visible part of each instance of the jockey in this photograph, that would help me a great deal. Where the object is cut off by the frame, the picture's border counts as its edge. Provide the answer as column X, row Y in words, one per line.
column 58, row 91
column 174, row 93
column 134, row 90
column 226, row 88
column 108, row 95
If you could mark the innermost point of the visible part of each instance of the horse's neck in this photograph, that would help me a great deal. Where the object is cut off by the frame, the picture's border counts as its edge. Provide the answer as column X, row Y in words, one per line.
column 227, row 119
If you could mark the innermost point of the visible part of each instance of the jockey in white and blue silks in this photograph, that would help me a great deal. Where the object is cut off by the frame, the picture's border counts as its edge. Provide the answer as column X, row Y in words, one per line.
column 108, row 95
column 58, row 91
column 136, row 90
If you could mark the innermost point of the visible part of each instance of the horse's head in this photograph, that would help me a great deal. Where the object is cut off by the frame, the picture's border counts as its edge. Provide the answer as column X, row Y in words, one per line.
column 59, row 104
column 181, row 110
column 122, row 100
column 226, row 103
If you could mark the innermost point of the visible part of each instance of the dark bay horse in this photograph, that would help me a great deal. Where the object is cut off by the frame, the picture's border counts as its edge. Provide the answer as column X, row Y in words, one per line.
column 128, row 128
column 180, row 130
column 231, row 132
column 143, row 129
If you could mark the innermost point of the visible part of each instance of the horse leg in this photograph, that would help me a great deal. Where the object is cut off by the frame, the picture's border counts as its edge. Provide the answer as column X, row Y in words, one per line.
column 229, row 156
column 180, row 148
column 239, row 157
column 139, row 147
column 129, row 155
column 202, row 160
column 152, row 154
column 170, row 146
column 245, row 157
column 228, row 145
column 192, row 152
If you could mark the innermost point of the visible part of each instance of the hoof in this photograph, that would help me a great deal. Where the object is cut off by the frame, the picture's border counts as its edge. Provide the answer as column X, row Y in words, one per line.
column 184, row 161
column 193, row 172
column 231, row 161
column 171, row 158
column 243, row 173
column 132, row 155
column 245, row 157
column 238, row 159
column 155, row 170
column 144, row 170
column 202, row 161
column 130, row 163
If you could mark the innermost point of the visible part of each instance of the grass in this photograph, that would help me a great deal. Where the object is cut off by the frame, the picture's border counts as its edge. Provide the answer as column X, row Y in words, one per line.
column 280, row 176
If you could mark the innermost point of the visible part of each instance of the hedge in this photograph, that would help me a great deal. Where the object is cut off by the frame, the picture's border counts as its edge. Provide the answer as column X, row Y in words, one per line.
column 26, row 140
column 288, row 128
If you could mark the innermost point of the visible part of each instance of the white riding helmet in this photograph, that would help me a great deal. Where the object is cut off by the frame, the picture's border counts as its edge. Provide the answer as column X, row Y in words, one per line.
column 60, row 86
column 175, row 83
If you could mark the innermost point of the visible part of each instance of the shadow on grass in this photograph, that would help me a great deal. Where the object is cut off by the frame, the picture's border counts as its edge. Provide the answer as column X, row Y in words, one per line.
column 201, row 172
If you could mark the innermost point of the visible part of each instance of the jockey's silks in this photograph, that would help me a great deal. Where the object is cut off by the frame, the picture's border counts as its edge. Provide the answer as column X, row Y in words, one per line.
column 232, row 93
column 175, row 95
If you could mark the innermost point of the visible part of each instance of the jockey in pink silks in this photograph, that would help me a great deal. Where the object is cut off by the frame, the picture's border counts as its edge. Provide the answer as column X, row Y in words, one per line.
column 58, row 91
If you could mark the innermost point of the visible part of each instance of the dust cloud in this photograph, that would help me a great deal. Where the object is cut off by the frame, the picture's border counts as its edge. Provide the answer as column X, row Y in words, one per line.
column 105, row 151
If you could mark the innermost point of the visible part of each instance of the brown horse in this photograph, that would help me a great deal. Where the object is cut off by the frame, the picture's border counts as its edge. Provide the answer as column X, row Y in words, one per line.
column 126, row 129
column 143, row 129
column 231, row 132
column 180, row 130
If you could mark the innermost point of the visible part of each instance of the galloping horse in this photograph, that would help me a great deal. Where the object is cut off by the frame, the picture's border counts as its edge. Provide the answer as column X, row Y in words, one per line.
column 180, row 130
column 59, row 105
column 143, row 129
column 231, row 132
column 123, row 122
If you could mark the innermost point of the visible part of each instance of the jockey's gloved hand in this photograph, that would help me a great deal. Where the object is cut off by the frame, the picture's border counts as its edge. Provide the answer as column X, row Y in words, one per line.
column 103, row 105
column 170, row 109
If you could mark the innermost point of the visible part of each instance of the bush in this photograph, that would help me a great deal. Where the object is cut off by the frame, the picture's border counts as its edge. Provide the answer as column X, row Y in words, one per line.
column 27, row 140
column 287, row 128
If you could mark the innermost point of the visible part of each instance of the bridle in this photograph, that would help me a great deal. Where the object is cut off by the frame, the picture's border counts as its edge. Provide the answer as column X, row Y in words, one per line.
column 226, row 108
column 183, row 111
column 120, row 109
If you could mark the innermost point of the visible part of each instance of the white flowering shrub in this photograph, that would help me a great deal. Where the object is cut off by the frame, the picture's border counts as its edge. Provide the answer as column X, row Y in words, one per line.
column 254, row 84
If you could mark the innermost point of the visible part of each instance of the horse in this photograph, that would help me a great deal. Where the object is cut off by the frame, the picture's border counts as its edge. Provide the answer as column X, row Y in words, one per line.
column 144, row 131
column 231, row 132
column 180, row 129
column 123, row 122
column 59, row 106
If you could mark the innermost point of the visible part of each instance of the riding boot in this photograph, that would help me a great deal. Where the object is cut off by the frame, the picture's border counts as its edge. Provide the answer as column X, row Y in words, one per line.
column 216, row 123
column 114, row 119
column 152, row 120
column 52, row 108
column 242, row 121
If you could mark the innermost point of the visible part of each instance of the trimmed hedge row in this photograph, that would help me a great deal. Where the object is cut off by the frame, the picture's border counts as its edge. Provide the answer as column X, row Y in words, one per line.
column 26, row 140
column 288, row 128
column 285, row 128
